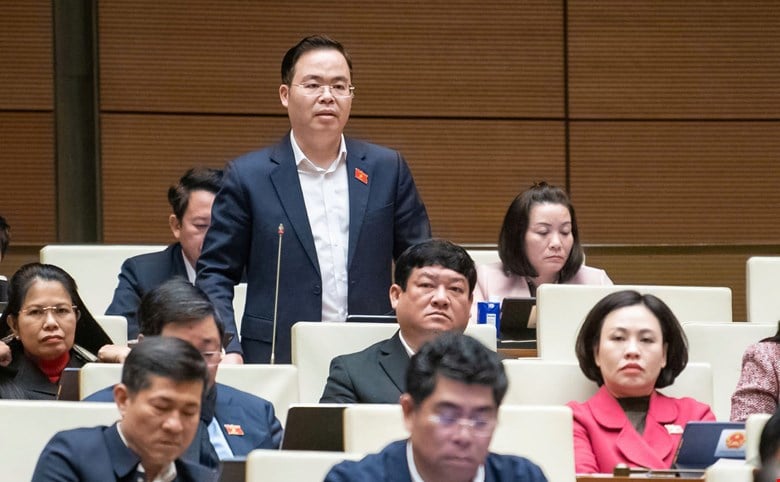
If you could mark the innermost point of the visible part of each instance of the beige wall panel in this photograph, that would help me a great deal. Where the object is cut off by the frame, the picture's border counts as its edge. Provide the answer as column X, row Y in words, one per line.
column 693, row 59
column 467, row 172
column 435, row 58
column 676, row 182
column 145, row 154
column 27, row 193
column 26, row 66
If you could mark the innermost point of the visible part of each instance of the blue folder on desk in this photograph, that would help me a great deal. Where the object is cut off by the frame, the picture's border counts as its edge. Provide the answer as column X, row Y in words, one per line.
column 703, row 443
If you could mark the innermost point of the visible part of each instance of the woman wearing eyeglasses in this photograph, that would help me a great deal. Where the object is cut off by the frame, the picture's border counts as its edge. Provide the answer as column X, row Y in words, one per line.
column 44, row 319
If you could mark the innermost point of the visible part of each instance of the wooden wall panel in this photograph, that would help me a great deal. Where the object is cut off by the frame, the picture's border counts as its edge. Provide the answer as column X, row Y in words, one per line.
column 676, row 182
column 26, row 55
column 27, row 193
column 435, row 58
column 691, row 59
column 455, row 164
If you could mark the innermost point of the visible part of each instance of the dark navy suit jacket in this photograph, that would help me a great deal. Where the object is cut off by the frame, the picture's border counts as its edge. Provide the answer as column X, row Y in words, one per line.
column 254, row 415
column 261, row 190
column 141, row 274
column 374, row 375
column 390, row 465
column 98, row 454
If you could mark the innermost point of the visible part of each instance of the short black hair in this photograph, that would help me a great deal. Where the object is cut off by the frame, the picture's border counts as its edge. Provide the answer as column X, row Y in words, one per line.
column 195, row 179
column 178, row 302
column 671, row 331
column 163, row 356
column 435, row 252
column 5, row 236
column 457, row 357
column 307, row 44
column 511, row 240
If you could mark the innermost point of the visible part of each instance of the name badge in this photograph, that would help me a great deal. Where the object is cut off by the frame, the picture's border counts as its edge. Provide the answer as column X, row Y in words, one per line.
column 673, row 429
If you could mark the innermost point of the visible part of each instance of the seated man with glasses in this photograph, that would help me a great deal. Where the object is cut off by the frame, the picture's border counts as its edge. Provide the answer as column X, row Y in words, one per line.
column 234, row 421
column 454, row 386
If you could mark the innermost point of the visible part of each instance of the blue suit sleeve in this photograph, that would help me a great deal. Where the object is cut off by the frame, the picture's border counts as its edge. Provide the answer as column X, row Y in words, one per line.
column 54, row 464
column 411, row 218
column 127, row 298
column 225, row 250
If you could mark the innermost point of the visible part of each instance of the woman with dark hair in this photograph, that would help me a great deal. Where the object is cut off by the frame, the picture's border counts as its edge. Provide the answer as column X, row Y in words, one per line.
column 631, row 344
column 539, row 243
column 759, row 383
column 44, row 324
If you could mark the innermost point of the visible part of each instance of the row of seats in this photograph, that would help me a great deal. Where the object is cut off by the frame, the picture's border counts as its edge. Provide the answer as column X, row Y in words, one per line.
column 541, row 433
column 95, row 269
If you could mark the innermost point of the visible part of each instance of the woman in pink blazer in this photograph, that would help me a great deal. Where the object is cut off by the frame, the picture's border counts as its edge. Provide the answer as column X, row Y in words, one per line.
column 539, row 243
column 631, row 344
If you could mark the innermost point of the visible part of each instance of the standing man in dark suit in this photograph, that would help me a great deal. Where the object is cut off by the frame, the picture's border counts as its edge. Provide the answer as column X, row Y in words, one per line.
column 432, row 294
column 236, row 422
column 348, row 209
column 453, row 383
column 191, row 201
column 159, row 403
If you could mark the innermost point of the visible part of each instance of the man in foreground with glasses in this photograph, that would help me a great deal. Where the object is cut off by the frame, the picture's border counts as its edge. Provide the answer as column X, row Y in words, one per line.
column 345, row 210
column 454, row 388
column 234, row 421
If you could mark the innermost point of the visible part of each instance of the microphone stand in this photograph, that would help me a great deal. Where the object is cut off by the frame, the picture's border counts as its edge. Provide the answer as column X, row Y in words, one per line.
column 276, row 292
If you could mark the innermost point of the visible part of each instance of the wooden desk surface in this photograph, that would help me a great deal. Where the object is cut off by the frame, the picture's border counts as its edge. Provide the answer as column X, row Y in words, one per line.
column 609, row 478
column 518, row 352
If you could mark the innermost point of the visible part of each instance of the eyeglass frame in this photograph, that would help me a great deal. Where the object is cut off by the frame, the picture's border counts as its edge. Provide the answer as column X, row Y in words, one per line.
column 451, row 423
column 321, row 90
column 26, row 311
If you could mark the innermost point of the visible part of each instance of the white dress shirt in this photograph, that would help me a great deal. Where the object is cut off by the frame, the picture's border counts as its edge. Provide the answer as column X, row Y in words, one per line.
column 326, row 194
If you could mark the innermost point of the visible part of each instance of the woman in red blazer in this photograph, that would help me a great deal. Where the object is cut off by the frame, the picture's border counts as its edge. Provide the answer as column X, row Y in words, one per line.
column 631, row 344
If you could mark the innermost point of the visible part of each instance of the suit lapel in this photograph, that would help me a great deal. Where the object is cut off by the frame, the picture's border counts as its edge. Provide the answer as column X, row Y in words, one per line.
column 394, row 361
column 178, row 261
column 359, row 179
column 288, row 189
column 228, row 413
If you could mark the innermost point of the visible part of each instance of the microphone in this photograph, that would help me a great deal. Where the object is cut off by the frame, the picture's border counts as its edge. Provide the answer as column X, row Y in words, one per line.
column 276, row 292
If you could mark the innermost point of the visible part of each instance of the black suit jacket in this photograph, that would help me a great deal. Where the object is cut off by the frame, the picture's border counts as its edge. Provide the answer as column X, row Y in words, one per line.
column 391, row 465
column 141, row 274
column 23, row 380
column 374, row 375
column 261, row 190
column 98, row 454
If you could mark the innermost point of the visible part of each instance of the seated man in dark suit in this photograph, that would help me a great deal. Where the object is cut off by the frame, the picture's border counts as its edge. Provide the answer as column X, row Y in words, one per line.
column 191, row 201
column 453, row 383
column 434, row 281
column 237, row 422
column 159, row 401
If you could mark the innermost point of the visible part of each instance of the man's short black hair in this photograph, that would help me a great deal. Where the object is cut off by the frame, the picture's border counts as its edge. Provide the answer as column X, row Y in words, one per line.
column 307, row 44
column 195, row 179
column 457, row 357
column 176, row 301
column 435, row 252
column 163, row 356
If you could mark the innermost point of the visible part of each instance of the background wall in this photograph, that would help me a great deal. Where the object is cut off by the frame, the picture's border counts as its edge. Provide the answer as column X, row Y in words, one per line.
column 660, row 118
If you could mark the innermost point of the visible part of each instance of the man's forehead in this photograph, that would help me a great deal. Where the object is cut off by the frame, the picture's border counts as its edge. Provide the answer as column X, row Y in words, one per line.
column 202, row 328
column 439, row 273
column 458, row 394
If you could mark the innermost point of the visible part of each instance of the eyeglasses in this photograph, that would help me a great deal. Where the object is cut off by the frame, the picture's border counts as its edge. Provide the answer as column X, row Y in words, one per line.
column 341, row 90
column 481, row 427
column 212, row 357
column 59, row 312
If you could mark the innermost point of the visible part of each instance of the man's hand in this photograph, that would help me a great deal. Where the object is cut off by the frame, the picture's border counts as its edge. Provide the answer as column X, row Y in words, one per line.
column 232, row 359
column 5, row 355
column 113, row 353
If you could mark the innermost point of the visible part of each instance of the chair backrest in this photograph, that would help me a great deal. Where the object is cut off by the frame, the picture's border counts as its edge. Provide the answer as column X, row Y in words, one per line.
column 276, row 383
column 729, row 473
column 95, row 267
column 115, row 327
column 538, row 382
column 315, row 344
column 369, row 427
column 34, row 422
column 264, row 465
column 484, row 256
column 754, row 425
column 722, row 345
column 762, row 276
column 561, row 309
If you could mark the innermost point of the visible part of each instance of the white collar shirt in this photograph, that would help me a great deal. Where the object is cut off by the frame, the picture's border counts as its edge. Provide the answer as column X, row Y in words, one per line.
column 326, row 195
column 167, row 474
